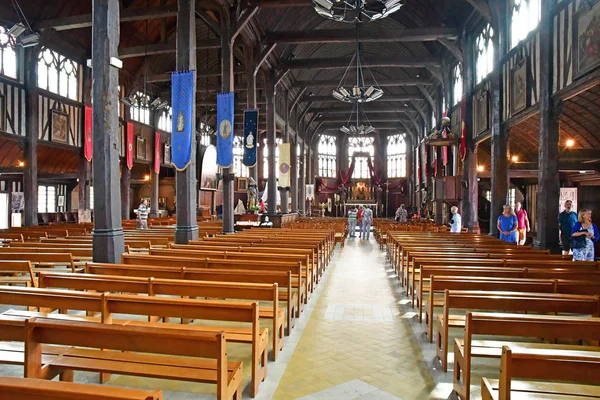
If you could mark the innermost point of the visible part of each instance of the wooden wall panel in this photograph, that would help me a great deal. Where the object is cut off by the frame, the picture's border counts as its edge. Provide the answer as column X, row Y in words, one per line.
column 48, row 103
column 14, row 95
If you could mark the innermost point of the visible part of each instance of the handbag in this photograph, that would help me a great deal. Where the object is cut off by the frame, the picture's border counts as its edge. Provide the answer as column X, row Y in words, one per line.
column 578, row 242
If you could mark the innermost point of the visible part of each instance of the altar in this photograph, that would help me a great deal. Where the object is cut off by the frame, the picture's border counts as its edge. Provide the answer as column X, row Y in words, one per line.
column 362, row 193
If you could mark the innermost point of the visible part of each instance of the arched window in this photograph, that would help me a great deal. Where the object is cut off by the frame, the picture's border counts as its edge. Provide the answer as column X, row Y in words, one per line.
column 165, row 120
column 8, row 54
column 266, row 156
column 58, row 74
column 484, row 51
column 140, row 111
column 457, row 83
column 358, row 144
column 327, row 152
column 396, row 156
column 238, row 155
column 525, row 17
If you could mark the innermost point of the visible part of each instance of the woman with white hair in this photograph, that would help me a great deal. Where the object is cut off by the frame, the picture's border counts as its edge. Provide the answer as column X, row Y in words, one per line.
column 456, row 221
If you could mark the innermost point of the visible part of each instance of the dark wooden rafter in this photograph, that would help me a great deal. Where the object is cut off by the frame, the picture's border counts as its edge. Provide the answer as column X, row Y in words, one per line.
column 277, row 3
column 207, row 73
column 365, row 35
column 342, row 62
column 483, row 8
column 365, row 109
column 264, row 54
column 452, row 47
column 419, row 109
column 297, row 98
column 243, row 20
column 163, row 48
column 389, row 97
column 427, row 96
column 333, row 83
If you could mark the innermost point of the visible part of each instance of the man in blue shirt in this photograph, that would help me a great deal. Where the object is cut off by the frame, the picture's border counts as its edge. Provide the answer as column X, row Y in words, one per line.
column 566, row 220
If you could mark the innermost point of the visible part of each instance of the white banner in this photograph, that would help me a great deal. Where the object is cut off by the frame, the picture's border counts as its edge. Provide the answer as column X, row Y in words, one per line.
column 310, row 192
column 284, row 165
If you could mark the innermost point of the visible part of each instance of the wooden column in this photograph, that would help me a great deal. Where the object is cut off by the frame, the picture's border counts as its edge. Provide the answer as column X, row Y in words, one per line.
column 125, row 185
column 499, row 132
column 470, row 191
column 108, row 241
column 294, row 165
column 302, row 178
column 30, row 181
column 227, row 86
column 186, row 181
column 437, row 179
column 283, row 192
column 251, row 93
column 548, row 178
column 271, row 135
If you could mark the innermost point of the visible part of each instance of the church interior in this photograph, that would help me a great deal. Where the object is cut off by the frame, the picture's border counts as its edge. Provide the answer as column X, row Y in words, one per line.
column 299, row 199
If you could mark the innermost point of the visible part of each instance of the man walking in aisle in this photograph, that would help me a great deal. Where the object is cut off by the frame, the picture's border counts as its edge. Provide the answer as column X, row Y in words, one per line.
column 352, row 217
column 367, row 219
column 142, row 214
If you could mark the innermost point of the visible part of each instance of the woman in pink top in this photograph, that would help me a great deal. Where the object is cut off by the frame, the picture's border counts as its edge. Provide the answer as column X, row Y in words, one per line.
column 522, row 224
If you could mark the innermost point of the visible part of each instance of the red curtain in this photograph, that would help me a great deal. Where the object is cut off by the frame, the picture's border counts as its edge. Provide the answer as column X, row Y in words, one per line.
column 345, row 176
column 157, row 152
column 463, row 139
column 129, row 145
column 87, row 133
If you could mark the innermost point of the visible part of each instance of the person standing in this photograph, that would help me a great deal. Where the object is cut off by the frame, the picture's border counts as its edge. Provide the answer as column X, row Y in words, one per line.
column 401, row 213
column 142, row 214
column 359, row 220
column 566, row 220
column 352, row 217
column 367, row 219
column 456, row 221
column 507, row 225
column 522, row 223
column 584, row 227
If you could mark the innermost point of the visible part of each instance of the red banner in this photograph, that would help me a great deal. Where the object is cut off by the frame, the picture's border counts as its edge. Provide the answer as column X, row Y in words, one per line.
column 129, row 154
column 157, row 152
column 418, row 162
column 87, row 134
column 445, row 148
column 463, row 125
column 426, row 163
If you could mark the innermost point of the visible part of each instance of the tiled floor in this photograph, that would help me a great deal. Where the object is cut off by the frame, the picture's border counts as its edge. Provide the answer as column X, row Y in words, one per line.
column 356, row 339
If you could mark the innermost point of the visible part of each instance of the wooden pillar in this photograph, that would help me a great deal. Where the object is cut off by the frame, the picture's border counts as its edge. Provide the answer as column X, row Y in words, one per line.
column 108, row 240
column 30, row 181
column 227, row 85
column 294, row 164
column 548, row 178
column 470, row 191
column 125, row 185
column 302, row 178
column 271, row 135
column 186, row 181
column 283, row 192
column 438, row 217
column 251, row 93
column 499, row 132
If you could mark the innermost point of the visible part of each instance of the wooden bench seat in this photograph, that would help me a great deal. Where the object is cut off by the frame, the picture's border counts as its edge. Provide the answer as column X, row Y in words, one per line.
column 17, row 272
column 150, row 306
column 172, row 287
column 41, row 261
column 507, row 302
column 579, row 367
column 27, row 389
column 143, row 351
column 515, row 325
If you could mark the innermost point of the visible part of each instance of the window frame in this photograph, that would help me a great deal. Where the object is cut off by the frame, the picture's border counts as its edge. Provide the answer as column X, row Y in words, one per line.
column 484, row 52
column 362, row 144
column 9, row 45
column 53, row 65
column 327, row 156
column 397, row 157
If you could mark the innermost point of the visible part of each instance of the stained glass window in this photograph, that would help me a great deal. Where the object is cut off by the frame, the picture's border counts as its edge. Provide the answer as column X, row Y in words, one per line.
column 361, row 144
column 327, row 152
column 396, row 156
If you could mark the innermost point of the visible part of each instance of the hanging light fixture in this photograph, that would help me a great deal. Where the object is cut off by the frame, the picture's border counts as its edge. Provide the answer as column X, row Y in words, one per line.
column 352, row 11
column 360, row 92
column 358, row 128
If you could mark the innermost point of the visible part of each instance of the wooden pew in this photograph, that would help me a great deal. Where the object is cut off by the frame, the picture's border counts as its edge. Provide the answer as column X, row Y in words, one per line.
column 144, row 351
column 282, row 279
column 173, row 287
column 504, row 301
column 515, row 325
column 27, row 389
column 107, row 304
column 17, row 272
column 41, row 261
column 79, row 254
column 540, row 367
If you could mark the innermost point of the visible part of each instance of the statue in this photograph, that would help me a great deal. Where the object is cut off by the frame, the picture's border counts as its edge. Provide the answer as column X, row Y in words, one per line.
column 252, row 193
column 250, row 141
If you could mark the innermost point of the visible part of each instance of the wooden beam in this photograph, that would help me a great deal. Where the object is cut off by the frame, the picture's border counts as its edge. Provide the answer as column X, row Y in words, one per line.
column 243, row 20
column 377, row 126
column 419, row 109
column 379, row 119
column 452, row 47
column 279, row 3
column 342, row 62
column 280, row 75
column 427, row 96
column 263, row 57
column 85, row 20
column 366, row 109
column 207, row 73
column 483, row 8
column 164, row 48
column 333, row 83
column 298, row 97
column 365, row 35
column 209, row 21
column 391, row 97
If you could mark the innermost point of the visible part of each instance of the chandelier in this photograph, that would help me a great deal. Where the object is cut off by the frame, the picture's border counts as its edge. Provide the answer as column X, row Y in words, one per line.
column 352, row 11
column 357, row 129
column 360, row 92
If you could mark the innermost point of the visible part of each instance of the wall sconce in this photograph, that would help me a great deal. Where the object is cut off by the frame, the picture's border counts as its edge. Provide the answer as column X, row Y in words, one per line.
column 146, row 177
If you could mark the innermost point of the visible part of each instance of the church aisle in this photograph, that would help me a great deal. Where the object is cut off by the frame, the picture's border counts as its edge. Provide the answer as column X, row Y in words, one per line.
column 357, row 344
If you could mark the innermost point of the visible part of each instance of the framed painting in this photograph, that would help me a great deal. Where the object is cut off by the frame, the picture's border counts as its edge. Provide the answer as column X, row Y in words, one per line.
column 59, row 126
column 482, row 112
column 586, row 38
column 242, row 184
column 167, row 154
column 518, row 83
column 141, row 148
column 2, row 113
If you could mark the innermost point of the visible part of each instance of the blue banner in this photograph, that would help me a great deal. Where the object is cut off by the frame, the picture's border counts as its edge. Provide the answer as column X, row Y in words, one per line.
column 183, row 90
column 225, row 129
column 250, row 136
